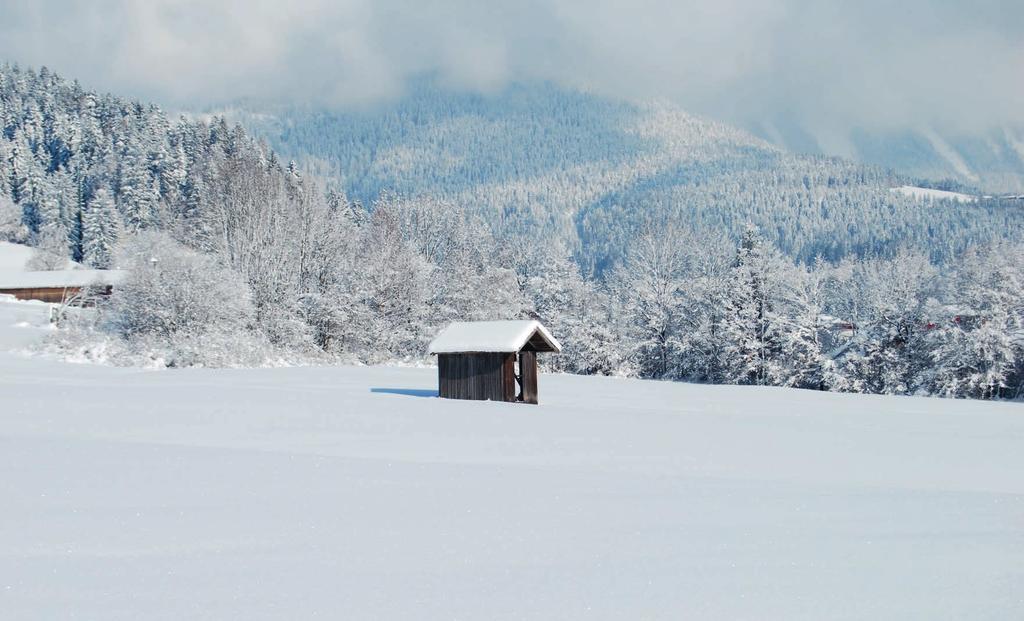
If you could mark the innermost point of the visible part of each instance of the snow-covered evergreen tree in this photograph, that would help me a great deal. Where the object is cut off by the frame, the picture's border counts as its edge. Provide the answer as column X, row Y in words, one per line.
column 138, row 192
column 101, row 229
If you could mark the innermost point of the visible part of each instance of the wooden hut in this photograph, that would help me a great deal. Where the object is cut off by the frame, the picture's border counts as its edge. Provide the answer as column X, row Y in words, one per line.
column 58, row 286
column 491, row 360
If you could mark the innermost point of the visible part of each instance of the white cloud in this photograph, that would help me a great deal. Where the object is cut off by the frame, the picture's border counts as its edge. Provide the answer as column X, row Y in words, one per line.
column 826, row 64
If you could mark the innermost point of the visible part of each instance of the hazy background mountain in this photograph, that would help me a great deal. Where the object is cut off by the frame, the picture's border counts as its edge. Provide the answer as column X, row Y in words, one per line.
column 991, row 160
column 594, row 170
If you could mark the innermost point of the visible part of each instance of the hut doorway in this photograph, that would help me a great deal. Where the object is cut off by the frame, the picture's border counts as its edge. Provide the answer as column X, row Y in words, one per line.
column 527, row 376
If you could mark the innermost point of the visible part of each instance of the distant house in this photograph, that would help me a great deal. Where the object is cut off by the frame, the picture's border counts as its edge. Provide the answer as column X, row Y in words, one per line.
column 58, row 286
column 491, row 360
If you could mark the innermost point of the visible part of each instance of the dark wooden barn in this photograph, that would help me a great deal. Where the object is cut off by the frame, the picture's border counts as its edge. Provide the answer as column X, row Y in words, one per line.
column 491, row 360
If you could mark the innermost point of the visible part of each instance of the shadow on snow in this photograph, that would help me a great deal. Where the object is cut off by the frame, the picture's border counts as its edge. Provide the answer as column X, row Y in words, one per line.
column 409, row 392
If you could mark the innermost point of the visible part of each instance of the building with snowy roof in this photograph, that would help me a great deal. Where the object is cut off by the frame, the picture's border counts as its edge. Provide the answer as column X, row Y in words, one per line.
column 491, row 360
column 58, row 286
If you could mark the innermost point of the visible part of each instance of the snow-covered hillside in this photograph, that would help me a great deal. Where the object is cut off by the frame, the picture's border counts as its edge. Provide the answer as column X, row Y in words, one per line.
column 355, row 493
column 933, row 194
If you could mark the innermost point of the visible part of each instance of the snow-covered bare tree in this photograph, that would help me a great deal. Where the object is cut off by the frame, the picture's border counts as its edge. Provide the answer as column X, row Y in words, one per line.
column 974, row 348
column 649, row 285
column 51, row 251
column 890, row 311
column 754, row 324
column 11, row 226
column 172, row 290
column 804, row 356
column 577, row 310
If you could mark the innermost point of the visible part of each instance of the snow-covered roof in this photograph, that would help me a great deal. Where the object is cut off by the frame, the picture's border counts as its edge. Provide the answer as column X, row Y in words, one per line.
column 15, row 279
column 493, row 336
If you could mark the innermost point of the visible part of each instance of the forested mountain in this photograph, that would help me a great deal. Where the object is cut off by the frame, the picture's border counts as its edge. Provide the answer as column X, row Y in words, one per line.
column 81, row 168
column 595, row 171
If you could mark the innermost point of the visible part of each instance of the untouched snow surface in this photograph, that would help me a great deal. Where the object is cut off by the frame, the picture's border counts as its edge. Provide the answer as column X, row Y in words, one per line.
column 353, row 493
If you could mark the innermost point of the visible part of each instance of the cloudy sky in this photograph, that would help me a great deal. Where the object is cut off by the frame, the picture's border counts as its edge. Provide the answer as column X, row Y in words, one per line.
column 825, row 63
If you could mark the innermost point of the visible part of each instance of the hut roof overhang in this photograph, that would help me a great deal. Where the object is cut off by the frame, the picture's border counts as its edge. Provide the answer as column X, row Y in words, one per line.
column 494, row 336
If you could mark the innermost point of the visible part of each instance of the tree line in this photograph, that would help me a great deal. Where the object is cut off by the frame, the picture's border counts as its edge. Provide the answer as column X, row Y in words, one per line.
column 298, row 278
column 238, row 258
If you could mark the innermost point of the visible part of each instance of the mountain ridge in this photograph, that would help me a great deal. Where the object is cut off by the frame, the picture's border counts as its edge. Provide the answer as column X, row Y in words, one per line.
column 592, row 170
column 989, row 161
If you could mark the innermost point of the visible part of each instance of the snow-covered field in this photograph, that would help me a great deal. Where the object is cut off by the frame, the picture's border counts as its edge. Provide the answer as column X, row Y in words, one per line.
column 353, row 493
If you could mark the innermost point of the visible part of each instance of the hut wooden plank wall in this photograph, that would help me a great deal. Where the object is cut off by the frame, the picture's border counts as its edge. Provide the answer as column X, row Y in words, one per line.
column 489, row 376
column 55, row 295
column 491, row 360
